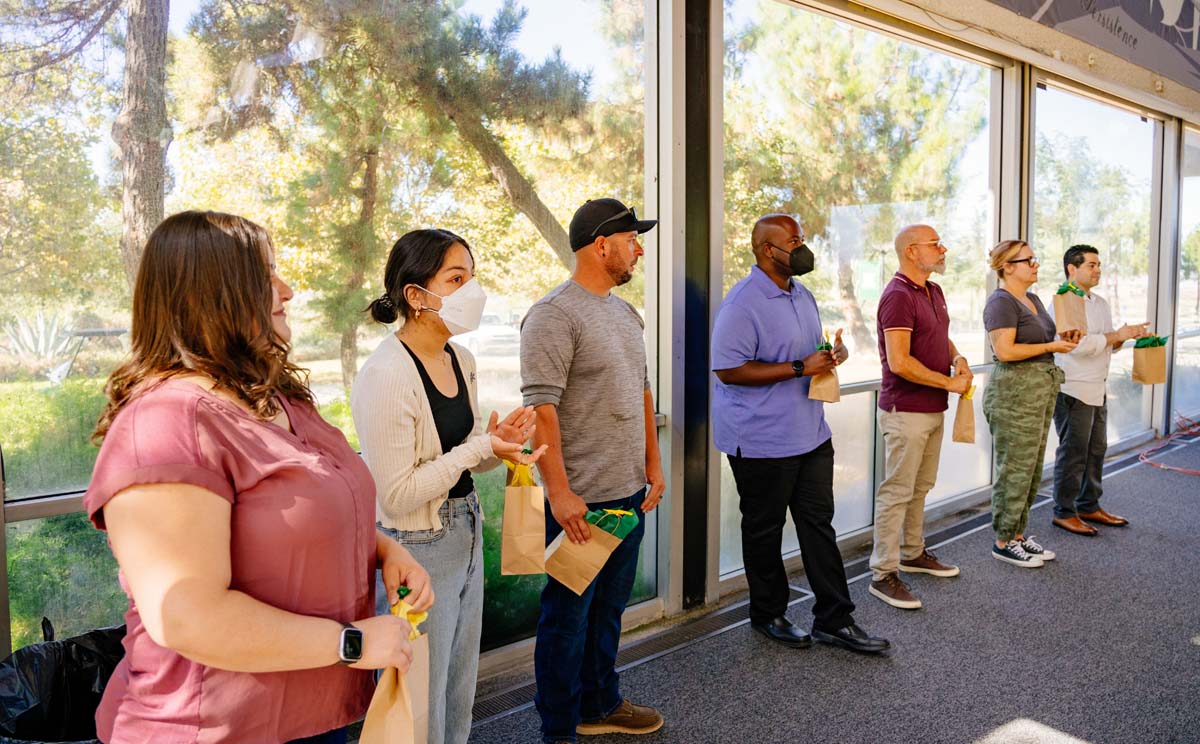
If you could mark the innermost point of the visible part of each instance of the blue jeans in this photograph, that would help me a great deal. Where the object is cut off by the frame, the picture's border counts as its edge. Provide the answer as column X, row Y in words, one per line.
column 453, row 556
column 577, row 636
column 337, row 736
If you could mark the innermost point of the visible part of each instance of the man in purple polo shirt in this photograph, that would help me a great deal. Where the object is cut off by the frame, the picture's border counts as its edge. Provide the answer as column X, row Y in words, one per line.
column 764, row 355
column 916, row 353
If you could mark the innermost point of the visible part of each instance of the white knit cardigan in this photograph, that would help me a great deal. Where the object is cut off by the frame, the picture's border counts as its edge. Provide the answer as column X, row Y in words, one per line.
column 400, row 440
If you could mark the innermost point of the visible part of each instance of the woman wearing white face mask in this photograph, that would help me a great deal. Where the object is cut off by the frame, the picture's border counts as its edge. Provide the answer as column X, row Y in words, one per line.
column 415, row 410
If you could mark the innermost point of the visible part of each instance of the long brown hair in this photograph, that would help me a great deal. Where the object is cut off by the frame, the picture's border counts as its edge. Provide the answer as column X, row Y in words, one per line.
column 202, row 304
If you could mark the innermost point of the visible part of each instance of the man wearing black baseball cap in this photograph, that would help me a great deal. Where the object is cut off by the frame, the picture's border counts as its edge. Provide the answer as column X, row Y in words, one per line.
column 583, row 368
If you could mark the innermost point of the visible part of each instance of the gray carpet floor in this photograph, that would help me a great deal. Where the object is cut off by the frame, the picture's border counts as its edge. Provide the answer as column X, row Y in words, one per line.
column 1102, row 645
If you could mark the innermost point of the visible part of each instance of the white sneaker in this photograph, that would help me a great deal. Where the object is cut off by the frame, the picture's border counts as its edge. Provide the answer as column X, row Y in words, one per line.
column 1037, row 550
column 1015, row 554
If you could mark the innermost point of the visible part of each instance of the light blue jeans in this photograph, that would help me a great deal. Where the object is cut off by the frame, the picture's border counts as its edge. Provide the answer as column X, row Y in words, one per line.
column 453, row 556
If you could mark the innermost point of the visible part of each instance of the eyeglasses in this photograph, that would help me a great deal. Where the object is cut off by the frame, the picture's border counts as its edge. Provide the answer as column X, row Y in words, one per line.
column 616, row 216
column 935, row 243
column 793, row 243
column 1031, row 260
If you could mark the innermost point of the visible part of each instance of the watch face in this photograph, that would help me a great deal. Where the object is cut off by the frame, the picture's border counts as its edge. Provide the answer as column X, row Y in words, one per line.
column 352, row 644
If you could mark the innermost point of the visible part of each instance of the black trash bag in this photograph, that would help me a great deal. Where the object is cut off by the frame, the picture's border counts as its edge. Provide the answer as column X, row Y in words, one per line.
column 49, row 691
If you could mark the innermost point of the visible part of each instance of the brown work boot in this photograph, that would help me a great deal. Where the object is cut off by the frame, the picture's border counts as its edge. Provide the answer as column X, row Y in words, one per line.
column 626, row 719
column 927, row 563
column 895, row 592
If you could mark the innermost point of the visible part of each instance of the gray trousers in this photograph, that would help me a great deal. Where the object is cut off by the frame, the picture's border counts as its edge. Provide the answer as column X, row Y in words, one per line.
column 1079, row 461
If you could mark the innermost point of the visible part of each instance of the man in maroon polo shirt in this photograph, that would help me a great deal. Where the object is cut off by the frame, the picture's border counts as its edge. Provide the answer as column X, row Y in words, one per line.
column 917, row 356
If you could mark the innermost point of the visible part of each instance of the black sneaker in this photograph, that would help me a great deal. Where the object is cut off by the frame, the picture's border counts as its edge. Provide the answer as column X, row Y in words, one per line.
column 1015, row 554
column 1037, row 550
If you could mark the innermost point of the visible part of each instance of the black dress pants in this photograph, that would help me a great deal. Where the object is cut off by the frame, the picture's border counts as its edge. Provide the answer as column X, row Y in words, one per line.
column 767, row 489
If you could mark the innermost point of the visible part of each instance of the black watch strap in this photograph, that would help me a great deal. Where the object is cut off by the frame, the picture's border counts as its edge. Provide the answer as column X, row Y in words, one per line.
column 798, row 367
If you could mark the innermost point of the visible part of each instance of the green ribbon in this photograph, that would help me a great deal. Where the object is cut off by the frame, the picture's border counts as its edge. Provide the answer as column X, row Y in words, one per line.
column 618, row 522
column 1149, row 342
column 1070, row 287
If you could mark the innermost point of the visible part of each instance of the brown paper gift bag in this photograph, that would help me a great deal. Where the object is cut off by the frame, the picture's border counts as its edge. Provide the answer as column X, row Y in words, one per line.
column 1070, row 313
column 523, row 529
column 399, row 711
column 1150, row 365
column 964, row 418
column 575, row 566
column 825, row 387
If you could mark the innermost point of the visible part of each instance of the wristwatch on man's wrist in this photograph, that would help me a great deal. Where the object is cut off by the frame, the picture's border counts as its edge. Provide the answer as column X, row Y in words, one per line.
column 798, row 367
column 350, row 645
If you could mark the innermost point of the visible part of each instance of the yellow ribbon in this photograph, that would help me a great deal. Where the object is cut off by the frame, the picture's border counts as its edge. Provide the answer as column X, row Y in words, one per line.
column 522, row 474
column 619, row 512
column 970, row 393
column 404, row 609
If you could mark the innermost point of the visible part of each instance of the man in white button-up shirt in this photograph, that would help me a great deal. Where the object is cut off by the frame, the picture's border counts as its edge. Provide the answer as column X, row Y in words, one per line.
column 1080, row 414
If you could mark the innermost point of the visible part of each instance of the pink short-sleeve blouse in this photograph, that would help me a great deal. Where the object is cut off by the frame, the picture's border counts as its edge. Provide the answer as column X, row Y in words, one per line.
column 302, row 539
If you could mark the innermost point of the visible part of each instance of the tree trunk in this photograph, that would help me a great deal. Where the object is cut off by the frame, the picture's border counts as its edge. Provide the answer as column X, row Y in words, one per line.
column 863, row 343
column 358, row 249
column 515, row 185
column 142, row 131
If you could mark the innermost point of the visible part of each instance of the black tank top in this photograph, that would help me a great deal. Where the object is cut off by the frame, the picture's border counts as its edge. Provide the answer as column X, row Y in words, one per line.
column 452, row 416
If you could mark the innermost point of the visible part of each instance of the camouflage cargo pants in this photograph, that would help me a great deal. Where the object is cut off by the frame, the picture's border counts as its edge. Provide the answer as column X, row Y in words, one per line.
column 1019, row 406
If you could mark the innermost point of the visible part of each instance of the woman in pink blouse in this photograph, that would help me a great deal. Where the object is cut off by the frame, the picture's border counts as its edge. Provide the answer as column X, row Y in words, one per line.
column 243, row 524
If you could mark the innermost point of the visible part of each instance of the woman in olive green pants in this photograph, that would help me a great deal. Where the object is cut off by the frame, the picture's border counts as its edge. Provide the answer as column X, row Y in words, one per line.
column 1019, row 399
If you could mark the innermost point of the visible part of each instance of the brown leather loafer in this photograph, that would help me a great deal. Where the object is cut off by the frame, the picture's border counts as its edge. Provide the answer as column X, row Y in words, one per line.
column 1072, row 524
column 1102, row 517
column 626, row 719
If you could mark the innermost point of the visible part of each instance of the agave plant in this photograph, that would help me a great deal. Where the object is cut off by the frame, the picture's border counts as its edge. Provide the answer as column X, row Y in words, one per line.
column 41, row 339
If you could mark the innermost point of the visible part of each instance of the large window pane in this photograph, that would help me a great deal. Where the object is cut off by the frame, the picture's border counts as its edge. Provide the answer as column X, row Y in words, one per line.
column 1186, row 383
column 1092, row 185
column 857, row 134
column 60, row 569
column 338, row 134
column 1188, row 306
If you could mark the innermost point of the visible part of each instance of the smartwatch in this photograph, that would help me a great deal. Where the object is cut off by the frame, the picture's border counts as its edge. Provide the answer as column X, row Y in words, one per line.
column 798, row 367
column 350, row 645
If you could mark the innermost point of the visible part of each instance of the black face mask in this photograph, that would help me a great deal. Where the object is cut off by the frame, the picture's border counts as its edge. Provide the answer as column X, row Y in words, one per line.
column 800, row 261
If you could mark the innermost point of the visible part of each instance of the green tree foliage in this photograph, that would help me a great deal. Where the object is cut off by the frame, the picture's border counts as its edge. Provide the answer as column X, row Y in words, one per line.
column 53, row 248
column 1079, row 198
column 822, row 120
column 1190, row 259
column 381, row 118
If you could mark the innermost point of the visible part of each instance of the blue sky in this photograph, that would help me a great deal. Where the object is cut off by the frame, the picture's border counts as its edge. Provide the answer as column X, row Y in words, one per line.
column 549, row 24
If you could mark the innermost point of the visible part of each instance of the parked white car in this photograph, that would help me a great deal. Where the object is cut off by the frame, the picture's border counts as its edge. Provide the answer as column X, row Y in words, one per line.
column 493, row 338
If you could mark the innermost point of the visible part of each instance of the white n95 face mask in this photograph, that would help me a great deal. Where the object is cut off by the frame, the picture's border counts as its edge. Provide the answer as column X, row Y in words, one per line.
column 462, row 309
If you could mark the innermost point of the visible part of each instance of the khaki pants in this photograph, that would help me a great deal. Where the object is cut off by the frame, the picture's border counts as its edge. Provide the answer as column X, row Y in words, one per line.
column 912, row 446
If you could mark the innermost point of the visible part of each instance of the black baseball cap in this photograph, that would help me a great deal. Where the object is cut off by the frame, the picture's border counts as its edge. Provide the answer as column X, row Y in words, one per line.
column 604, row 217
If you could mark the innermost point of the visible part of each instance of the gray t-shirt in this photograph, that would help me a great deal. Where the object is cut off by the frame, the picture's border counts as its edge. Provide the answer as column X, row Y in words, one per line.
column 586, row 355
column 1003, row 310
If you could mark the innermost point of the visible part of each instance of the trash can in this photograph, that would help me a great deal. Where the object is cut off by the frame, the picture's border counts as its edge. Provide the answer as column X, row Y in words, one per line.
column 49, row 691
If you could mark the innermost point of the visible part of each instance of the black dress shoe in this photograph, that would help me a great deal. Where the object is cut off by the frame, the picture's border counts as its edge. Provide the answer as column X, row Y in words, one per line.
column 853, row 638
column 783, row 631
